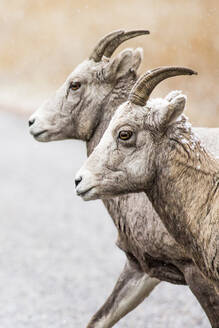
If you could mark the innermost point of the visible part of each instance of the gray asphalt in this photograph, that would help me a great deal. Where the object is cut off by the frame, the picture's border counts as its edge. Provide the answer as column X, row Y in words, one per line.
column 58, row 259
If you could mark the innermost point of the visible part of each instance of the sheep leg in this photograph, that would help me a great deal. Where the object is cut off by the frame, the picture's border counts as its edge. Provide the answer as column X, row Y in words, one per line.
column 205, row 293
column 130, row 290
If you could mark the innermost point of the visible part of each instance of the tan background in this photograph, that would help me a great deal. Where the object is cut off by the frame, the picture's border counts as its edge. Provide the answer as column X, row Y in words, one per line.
column 42, row 41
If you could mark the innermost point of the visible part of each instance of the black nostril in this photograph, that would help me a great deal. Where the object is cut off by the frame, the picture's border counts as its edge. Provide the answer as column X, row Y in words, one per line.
column 77, row 181
column 31, row 121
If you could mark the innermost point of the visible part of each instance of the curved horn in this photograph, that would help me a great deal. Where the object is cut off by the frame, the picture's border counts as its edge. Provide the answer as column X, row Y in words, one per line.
column 120, row 39
column 108, row 44
column 148, row 81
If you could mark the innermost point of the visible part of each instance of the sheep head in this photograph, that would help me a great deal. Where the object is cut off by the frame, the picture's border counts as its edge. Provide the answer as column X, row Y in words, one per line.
column 75, row 109
column 124, row 160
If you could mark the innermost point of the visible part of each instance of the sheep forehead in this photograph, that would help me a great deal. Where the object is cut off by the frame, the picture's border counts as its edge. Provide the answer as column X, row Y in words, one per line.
column 85, row 70
column 136, row 113
column 128, row 113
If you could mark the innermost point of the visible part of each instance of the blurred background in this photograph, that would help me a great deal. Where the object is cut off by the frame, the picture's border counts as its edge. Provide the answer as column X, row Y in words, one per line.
column 42, row 41
column 58, row 259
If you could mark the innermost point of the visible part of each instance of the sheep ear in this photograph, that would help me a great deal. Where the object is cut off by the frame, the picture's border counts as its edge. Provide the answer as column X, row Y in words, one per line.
column 171, row 112
column 126, row 61
column 172, row 94
column 137, row 59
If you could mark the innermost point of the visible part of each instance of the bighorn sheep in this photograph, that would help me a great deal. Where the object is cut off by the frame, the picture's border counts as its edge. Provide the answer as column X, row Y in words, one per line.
column 153, row 149
column 104, row 83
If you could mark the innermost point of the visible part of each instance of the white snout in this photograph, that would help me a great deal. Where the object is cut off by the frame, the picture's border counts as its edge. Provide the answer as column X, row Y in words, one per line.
column 85, row 184
column 36, row 128
column 39, row 124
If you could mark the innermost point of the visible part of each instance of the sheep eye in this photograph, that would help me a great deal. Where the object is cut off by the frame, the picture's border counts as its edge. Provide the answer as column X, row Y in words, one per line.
column 125, row 135
column 75, row 85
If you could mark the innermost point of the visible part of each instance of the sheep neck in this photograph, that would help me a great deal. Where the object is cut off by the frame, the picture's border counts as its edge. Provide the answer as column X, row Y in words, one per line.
column 185, row 194
column 116, row 97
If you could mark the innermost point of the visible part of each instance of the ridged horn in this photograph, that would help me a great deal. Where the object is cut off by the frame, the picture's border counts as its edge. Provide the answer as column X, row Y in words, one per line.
column 148, row 81
column 108, row 44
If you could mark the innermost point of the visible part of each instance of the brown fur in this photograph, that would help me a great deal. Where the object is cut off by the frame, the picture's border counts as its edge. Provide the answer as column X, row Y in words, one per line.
column 192, row 214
